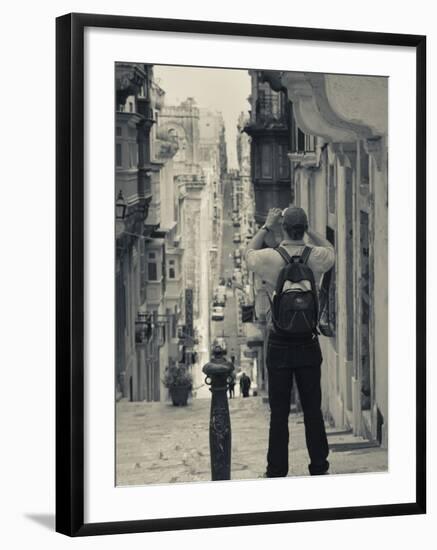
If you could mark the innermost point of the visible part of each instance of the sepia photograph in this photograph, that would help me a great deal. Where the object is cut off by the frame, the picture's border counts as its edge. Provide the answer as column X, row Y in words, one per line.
column 251, row 274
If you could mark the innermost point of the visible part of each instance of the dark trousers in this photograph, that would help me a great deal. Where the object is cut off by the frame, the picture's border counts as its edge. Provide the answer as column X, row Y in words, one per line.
column 302, row 361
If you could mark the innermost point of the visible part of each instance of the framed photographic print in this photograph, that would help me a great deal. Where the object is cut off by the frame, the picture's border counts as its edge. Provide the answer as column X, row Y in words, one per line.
column 240, row 274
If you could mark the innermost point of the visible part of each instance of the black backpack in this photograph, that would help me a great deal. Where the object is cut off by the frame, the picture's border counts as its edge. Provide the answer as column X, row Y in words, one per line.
column 295, row 311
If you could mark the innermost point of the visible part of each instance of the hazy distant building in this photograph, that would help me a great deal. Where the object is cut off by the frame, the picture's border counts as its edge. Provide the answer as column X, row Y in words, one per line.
column 198, row 167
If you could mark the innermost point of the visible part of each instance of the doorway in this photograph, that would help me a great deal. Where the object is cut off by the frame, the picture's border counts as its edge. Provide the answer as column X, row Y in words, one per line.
column 365, row 312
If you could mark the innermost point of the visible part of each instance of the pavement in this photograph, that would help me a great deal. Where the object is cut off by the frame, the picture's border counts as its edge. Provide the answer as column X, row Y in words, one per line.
column 159, row 443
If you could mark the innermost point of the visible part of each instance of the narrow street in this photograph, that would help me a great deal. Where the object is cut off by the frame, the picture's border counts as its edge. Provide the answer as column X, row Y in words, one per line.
column 228, row 328
column 159, row 443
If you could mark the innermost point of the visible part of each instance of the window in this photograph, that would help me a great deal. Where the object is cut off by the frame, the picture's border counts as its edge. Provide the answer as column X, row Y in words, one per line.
column 143, row 267
column 133, row 155
column 118, row 155
column 261, row 102
column 131, row 107
column 152, row 271
column 365, row 312
column 256, row 161
column 152, row 267
column 332, row 189
column 364, row 170
column 266, row 160
column 174, row 323
column 283, row 162
column 311, row 200
column 310, row 143
column 120, row 304
column 171, row 269
column 162, row 336
column 118, row 131
column 300, row 141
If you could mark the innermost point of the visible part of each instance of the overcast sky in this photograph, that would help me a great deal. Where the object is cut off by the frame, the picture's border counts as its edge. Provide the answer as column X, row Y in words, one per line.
column 224, row 90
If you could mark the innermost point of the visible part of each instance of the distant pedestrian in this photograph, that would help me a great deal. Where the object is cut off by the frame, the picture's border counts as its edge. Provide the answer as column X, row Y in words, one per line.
column 293, row 349
column 245, row 383
column 231, row 386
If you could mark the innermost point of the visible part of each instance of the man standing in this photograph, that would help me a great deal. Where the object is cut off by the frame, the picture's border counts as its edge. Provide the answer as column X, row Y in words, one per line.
column 231, row 385
column 288, row 355
column 245, row 383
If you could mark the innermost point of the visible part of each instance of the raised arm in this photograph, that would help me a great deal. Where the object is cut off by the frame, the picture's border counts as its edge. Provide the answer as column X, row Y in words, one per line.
column 317, row 239
column 265, row 233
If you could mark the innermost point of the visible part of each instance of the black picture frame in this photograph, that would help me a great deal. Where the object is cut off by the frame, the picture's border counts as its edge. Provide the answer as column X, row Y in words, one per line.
column 70, row 273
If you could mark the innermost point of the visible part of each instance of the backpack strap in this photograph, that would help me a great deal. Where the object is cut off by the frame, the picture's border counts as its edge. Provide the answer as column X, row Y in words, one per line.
column 305, row 254
column 287, row 258
column 285, row 255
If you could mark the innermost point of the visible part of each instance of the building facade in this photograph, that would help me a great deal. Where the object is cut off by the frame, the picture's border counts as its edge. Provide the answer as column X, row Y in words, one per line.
column 148, row 259
column 269, row 129
column 338, row 166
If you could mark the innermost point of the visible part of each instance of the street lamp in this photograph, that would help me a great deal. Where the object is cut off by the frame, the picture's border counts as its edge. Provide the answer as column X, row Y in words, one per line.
column 120, row 206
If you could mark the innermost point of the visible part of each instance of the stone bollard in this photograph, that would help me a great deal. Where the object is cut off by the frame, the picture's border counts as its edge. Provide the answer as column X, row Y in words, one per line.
column 218, row 372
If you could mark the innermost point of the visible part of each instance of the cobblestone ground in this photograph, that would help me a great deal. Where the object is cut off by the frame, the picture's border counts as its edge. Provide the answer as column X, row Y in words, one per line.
column 160, row 443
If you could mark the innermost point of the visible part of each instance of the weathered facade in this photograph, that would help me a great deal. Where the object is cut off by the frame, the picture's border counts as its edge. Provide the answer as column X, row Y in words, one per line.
column 269, row 129
column 133, row 187
column 338, row 163
column 146, row 315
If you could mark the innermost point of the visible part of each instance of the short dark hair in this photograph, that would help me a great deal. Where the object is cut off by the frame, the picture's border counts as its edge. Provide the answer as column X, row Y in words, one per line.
column 295, row 232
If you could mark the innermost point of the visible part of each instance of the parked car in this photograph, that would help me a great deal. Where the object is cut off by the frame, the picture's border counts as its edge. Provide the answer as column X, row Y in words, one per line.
column 237, row 261
column 218, row 313
column 237, row 253
column 219, row 300
column 237, row 237
column 236, row 222
column 220, row 295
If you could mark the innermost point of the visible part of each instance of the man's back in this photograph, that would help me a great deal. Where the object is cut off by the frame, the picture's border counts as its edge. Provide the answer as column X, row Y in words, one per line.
column 288, row 359
column 267, row 262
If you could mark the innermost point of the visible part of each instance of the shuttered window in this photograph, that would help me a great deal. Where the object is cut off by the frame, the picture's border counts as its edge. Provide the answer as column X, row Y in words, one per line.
column 118, row 155
column 266, row 160
column 283, row 161
column 152, row 267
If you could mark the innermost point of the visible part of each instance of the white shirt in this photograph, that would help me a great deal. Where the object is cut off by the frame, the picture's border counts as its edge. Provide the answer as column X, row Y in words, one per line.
column 267, row 262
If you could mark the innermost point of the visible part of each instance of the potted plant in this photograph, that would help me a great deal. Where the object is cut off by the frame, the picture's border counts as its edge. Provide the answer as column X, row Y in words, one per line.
column 179, row 382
